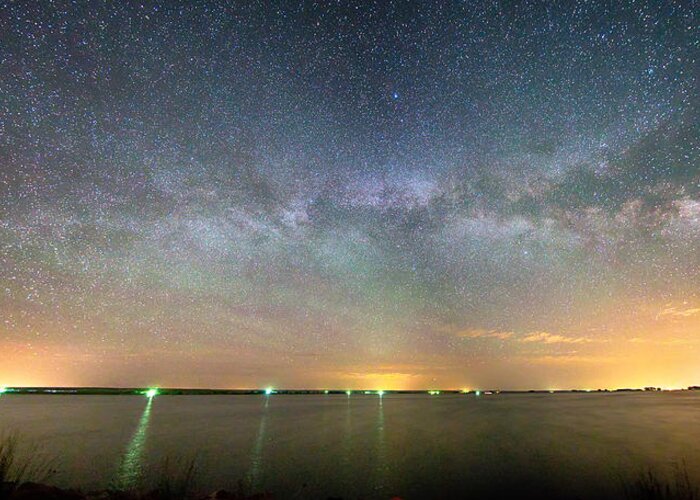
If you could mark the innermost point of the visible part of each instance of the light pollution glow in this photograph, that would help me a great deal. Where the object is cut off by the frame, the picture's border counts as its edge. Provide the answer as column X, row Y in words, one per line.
column 380, row 197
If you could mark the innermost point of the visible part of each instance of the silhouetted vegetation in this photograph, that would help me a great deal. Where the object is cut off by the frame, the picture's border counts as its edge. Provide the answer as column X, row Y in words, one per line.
column 650, row 485
column 176, row 480
column 19, row 466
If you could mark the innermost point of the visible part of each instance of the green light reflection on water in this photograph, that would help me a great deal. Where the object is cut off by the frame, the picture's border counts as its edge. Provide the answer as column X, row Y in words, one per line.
column 346, row 459
column 130, row 470
column 256, row 456
column 381, row 466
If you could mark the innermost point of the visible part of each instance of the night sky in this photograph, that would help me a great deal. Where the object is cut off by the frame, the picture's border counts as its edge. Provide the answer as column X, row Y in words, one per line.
column 350, row 194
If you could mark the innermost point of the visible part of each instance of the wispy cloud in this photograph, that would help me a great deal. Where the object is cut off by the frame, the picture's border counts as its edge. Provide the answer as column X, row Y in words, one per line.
column 540, row 337
column 552, row 338
column 675, row 312
column 485, row 334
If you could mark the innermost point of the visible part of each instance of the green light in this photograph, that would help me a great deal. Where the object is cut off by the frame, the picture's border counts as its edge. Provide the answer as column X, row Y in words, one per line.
column 434, row 393
column 3, row 390
column 381, row 393
column 268, row 391
column 151, row 393
column 478, row 393
column 130, row 469
column 325, row 392
column 348, row 392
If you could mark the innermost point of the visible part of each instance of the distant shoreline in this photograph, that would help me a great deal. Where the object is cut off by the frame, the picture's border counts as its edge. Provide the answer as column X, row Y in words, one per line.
column 124, row 391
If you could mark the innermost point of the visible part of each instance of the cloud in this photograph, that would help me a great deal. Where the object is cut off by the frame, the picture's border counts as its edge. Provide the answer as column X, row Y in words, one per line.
column 551, row 338
column 531, row 337
column 485, row 334
column 675, row 313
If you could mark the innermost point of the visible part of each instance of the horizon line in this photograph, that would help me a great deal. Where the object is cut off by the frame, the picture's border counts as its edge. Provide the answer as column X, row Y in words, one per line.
column 274, row 390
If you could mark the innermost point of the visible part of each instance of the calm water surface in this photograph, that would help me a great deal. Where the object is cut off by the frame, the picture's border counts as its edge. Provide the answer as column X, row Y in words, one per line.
column 415, row 446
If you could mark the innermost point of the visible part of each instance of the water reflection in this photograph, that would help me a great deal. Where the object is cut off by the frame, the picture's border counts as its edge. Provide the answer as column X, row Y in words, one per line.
column 347, row 438
column 381, row 467
column 346, row 458
column 131, row 467
column 256, row 456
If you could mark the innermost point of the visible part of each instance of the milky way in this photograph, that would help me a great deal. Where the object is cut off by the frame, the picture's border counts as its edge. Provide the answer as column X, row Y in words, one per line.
column 351, row 194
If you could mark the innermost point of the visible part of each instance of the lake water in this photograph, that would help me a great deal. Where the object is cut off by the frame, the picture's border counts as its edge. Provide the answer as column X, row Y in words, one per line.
column 413, row 446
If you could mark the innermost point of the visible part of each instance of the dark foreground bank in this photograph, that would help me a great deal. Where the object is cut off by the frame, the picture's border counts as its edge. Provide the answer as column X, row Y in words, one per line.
column 648, row 486
column 38, row 491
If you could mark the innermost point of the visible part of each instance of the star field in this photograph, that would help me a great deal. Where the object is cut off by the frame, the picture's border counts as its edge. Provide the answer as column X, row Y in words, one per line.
column 349, row 194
